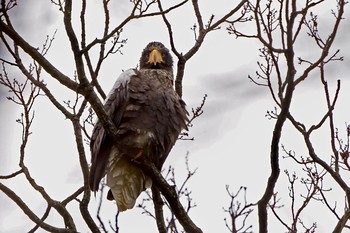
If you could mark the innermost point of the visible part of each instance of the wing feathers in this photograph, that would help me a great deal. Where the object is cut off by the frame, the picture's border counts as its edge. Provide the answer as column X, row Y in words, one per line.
column 100, row 145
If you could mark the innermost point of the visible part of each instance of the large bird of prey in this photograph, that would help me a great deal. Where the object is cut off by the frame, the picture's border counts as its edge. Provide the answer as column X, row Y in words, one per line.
column 148, row 115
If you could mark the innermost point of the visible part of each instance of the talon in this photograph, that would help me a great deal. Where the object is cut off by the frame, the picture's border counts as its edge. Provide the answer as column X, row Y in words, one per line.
column 138, row 155
column 110, row 196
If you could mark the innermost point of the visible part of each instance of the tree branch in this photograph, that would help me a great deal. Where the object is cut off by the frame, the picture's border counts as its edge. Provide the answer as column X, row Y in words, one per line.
column 170, row 195
column 21, row 204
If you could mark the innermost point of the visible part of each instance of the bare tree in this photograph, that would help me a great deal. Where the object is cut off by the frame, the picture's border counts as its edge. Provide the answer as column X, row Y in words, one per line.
column 282, row 28
column 84, row 84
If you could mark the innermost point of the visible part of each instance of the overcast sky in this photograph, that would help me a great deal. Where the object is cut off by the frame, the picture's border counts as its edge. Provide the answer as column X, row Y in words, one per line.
column 232, row 138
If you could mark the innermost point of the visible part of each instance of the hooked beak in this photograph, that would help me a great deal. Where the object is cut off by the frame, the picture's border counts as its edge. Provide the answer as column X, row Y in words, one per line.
column 155, row 57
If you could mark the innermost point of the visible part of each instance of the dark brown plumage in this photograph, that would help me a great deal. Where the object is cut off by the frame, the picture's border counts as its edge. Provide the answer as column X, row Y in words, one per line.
column 149, row 116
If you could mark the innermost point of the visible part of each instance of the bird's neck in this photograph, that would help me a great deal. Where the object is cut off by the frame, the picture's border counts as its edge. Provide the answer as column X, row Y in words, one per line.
column 166, row 77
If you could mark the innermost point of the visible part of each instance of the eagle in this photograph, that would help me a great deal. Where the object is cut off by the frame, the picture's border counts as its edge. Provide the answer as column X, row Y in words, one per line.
column 149, row 116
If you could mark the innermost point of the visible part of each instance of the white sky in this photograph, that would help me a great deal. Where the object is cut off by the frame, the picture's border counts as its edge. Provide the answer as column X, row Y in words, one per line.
column 232, row 138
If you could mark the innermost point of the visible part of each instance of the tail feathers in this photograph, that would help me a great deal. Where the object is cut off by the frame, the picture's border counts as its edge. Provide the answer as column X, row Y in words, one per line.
column 126, row 182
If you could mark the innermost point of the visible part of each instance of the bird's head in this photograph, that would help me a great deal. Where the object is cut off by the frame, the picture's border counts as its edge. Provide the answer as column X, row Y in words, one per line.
column 156, row 56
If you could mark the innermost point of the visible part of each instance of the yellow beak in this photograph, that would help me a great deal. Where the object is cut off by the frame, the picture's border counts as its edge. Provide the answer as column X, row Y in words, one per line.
column 155, row 57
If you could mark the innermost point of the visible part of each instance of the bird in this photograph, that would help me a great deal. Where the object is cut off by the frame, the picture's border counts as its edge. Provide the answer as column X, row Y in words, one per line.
column 149, row 117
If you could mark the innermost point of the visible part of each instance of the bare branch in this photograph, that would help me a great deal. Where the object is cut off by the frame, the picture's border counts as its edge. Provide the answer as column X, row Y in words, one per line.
column 14, row 174
column 237, row 210
column 21, row 204
column 182, row 193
